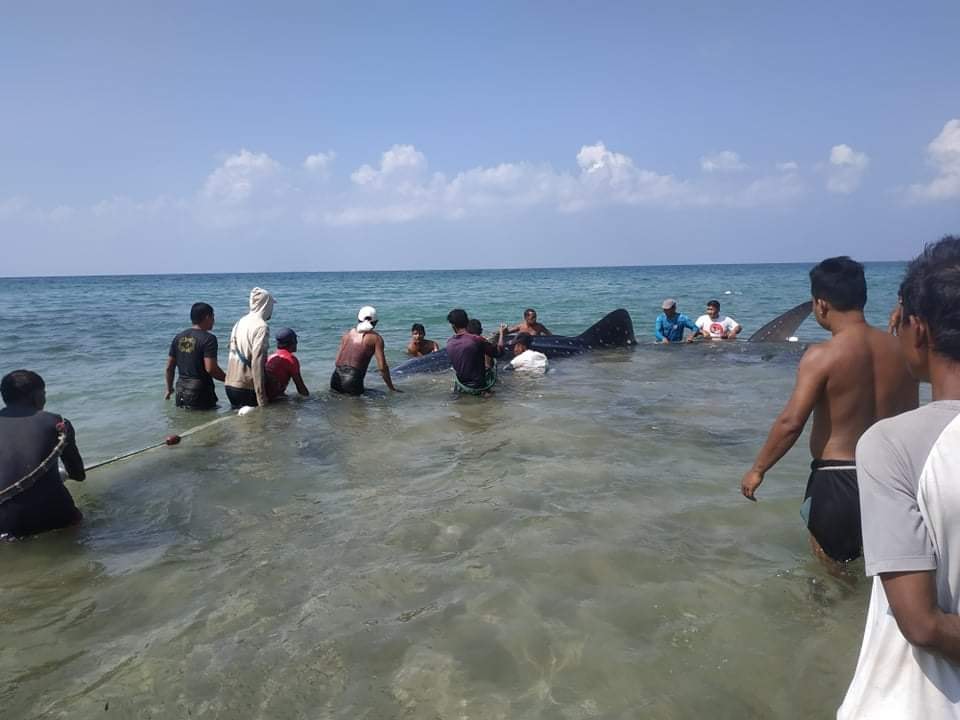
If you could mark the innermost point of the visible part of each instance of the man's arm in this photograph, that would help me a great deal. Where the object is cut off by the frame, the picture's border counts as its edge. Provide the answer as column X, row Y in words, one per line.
column 382, row 363
column 436, row 346
column 258, row 366
column 71, row 455
column 213, row 369
column 913, row 601
column 495, row 351
column 658, row 332
column 735, row 330
column 690, row 325
column 811, row 378
column 413, row 348
column 168, row 373
column 544, row 330
column 298, row 381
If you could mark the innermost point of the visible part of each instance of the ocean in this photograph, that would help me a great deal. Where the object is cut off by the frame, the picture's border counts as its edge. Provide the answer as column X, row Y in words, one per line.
column 574, row 546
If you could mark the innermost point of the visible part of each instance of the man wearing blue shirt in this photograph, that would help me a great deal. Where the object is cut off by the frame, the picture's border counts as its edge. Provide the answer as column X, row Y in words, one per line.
column 670, row 324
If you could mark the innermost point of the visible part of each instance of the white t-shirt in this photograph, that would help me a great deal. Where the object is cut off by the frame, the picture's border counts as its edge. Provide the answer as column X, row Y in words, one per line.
column 910, row 507
column 715, row 328
column 530, row 361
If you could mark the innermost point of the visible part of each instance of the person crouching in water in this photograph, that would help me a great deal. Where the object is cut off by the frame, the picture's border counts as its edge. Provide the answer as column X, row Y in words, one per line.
column 525, row 359
column 357, row 347
column 246, row 382
column 419, row 345
column 33, row 499
column 283, row 366
column 467, row 355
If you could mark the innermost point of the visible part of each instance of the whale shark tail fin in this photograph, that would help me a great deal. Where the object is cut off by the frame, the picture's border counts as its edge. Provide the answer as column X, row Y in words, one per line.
column 612, row 330
column 783, row 326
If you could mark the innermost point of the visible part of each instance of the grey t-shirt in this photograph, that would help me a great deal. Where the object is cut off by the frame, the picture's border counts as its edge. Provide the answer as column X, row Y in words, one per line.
column 890, row 459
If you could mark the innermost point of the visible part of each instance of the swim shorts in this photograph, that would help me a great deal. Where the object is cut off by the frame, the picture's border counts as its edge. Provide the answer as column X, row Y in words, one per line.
column 831, row 508
column 489, row 380
column 240, row 397
column 195, row 394
column 347, row 380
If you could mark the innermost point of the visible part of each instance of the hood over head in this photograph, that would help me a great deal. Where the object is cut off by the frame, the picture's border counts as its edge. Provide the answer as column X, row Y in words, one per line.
column 261, row 303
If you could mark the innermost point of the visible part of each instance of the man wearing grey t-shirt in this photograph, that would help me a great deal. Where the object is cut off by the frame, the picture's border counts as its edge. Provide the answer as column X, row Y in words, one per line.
column 909, row 475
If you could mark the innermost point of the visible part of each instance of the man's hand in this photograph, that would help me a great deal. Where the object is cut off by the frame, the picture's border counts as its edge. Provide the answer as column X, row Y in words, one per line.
column 396, row 389
column 893, row 324
column 691, row 338
column 665, row 341
column 751, row 481
column 167, row 394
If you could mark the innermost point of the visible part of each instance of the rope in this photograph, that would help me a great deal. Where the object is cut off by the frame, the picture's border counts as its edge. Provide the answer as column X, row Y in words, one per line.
column 27, row 481
column 169, row 440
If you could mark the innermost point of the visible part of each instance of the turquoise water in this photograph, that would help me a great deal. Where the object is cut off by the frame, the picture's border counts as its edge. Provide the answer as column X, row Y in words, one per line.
column 573, row 547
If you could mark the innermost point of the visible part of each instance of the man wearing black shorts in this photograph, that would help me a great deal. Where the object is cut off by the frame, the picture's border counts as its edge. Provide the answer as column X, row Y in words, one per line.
column 193, row 354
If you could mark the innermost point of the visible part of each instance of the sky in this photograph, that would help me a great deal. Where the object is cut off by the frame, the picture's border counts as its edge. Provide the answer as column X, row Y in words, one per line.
column 185, row 137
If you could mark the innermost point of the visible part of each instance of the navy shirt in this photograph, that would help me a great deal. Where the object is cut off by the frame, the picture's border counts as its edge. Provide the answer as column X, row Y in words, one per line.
column 466, row 353
column 27, row 436
column 672, row 330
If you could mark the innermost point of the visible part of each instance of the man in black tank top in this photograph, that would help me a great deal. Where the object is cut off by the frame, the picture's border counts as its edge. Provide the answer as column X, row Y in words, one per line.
column 32, row 443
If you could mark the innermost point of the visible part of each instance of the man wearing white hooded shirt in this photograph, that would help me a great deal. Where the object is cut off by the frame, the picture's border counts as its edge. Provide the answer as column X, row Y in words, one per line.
column 246, row 382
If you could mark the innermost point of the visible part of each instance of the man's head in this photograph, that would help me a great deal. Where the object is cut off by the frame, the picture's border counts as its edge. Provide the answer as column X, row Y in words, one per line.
column 837, row 285
column 286, row 339
column 713, row 309
column 521, row 343
column 474, row 327
column 458, row 319
column 530, row 316
column 930, row 294
column 201, row 315
column 23, row 388
column 366, row 318
column 262, row 302
column 418, row 332
column 669, row 306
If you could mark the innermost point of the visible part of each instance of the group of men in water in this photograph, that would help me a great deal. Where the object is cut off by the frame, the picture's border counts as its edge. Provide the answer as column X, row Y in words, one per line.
column 883, row 479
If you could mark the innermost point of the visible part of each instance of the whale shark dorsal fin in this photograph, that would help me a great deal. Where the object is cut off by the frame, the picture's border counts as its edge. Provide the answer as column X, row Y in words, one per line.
column 783, row 326
column 613, row 329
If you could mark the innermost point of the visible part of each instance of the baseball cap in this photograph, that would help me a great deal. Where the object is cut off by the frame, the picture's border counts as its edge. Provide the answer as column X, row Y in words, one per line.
column 286, row 336
column 668, row 303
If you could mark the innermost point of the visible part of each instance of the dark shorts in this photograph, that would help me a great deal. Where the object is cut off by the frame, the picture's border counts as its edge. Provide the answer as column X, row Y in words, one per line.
column 831, row 508
column 489, row 380
column 347, row 380
column 42, row 507
column 195, row 394
column 239, row 397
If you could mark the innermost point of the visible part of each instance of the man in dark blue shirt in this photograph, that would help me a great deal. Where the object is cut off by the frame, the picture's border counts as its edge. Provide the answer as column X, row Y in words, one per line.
column 467, row 353
column 670, row 324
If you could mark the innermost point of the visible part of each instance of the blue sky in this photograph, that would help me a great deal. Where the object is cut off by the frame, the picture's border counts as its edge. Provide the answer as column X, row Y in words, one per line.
column 172, row 137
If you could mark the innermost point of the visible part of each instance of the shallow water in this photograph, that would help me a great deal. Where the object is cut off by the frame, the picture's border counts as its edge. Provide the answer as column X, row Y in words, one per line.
column 573, row 547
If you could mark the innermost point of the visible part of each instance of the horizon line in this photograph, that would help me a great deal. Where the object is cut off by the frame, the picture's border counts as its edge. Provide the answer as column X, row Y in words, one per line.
column 419, row 270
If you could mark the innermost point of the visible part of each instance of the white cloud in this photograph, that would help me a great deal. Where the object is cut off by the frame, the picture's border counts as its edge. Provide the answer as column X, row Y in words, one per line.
column 319, row 163
column 723, row 161
column 789, row 166
column 845, row 169
column 401, row 162
column 943, row 154
column 239, row 177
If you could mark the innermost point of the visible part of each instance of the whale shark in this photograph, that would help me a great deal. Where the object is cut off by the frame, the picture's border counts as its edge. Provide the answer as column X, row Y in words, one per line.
column 613, row 330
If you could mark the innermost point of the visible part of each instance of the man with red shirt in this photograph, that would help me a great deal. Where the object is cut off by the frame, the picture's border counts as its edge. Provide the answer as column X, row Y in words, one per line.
column 283, row 366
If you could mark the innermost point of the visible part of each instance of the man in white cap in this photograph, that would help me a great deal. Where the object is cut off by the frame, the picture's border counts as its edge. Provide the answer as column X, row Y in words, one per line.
column 670, row 324
column 357, row 346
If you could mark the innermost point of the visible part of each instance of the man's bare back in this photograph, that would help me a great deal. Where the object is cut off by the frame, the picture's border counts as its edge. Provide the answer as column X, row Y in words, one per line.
column 862, row 378
column 356, row 349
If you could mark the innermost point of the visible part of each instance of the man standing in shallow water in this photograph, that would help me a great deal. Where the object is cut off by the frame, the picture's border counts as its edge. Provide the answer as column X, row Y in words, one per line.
column 848, row 383
column 358, row 345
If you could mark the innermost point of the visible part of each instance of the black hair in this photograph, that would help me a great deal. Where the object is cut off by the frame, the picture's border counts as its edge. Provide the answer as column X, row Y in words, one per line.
column 458, row 318
column 529, row 311
column 714, row 303
column 18, row 387
column 417, row 327
column 474, row 327
column 931, row 292
column 839, row 281
column 523, row 339
column 200, row 312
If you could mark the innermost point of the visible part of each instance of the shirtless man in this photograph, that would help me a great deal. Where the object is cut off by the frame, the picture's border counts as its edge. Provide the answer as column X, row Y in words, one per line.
column 419, row 345
column 849, row 382
column 358, row 345
column 530, row 326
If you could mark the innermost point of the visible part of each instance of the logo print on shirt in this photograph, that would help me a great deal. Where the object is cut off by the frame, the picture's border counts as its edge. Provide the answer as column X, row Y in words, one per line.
column 187, row 344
